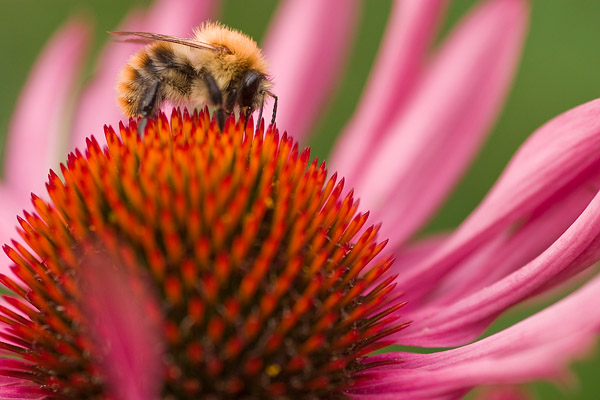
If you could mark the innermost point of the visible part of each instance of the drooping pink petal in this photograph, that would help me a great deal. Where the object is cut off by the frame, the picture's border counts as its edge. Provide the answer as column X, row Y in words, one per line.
column 538, row 347
column 516, row 248
column 430, row 145
column 398, row 67
column 13, row 388
column 458, row 323
column 118, row 303
column 306, row 47
column 530, row 364
column 19, row 392
column 39, row 124
column 415, row 254
column 98, row 106
column 561, row 157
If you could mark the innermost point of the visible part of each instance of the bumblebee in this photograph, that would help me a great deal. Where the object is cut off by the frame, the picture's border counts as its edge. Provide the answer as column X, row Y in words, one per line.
column 218, row 66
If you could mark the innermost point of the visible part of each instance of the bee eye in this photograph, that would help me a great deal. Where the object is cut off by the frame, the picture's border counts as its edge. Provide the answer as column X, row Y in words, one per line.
column 249, row 89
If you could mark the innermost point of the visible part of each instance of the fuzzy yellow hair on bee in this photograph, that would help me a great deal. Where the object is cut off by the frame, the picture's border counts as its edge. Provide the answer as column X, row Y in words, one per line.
column 218, row 66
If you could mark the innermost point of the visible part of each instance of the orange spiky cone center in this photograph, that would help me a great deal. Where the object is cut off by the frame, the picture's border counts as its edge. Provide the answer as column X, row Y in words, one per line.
column 261, row 266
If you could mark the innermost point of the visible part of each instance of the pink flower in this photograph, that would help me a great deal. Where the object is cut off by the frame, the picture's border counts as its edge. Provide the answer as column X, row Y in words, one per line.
column 417, row 128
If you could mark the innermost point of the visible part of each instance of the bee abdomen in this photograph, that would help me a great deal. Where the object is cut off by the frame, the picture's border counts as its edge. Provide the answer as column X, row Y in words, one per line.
column 174, row 70
column 152, row 75
column 131, row 88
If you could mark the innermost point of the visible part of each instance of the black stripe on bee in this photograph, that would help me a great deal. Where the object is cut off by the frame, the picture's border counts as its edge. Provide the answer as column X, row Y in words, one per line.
column 148, row 66
column 164, row 56
column 187, row 69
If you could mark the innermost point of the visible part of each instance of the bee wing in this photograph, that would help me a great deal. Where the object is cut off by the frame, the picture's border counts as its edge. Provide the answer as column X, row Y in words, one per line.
column 149, row 37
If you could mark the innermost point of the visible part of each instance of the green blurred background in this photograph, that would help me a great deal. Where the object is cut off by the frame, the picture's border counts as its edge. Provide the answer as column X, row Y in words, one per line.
column 559, row 70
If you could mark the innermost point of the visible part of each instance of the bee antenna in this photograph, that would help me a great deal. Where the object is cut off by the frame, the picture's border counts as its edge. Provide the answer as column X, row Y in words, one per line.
column 260, row 111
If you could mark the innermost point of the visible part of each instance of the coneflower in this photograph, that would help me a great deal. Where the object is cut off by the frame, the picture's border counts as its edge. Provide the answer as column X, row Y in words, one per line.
column 262, row 270
column 425, row 111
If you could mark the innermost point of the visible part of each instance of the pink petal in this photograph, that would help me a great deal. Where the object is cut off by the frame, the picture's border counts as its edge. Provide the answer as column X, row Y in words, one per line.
column 20, row 391
column 98, row 106
column 39, row 124
column 306, row 47
column 458, row 323
column 422, row 383
column 535, row 348
column 560, row 158
column 431, row 144
column 414, row 254
column 512, row 250
column 118, row 303
column 15, row 388
column 398, row 67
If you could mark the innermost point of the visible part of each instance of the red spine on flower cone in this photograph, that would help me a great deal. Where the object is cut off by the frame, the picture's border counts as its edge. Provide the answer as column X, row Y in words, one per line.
column 261, row 272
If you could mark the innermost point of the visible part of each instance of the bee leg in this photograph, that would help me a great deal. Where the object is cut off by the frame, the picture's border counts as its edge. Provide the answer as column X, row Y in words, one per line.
column 274, row 106
column 247, row 113
column 149, row 99
column 260, row 111
column 142, row 126
column 147, row 106
column 230, row 100
column 216, row 98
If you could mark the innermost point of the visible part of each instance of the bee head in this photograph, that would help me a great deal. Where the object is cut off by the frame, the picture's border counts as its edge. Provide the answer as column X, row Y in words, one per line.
column 250, row 86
